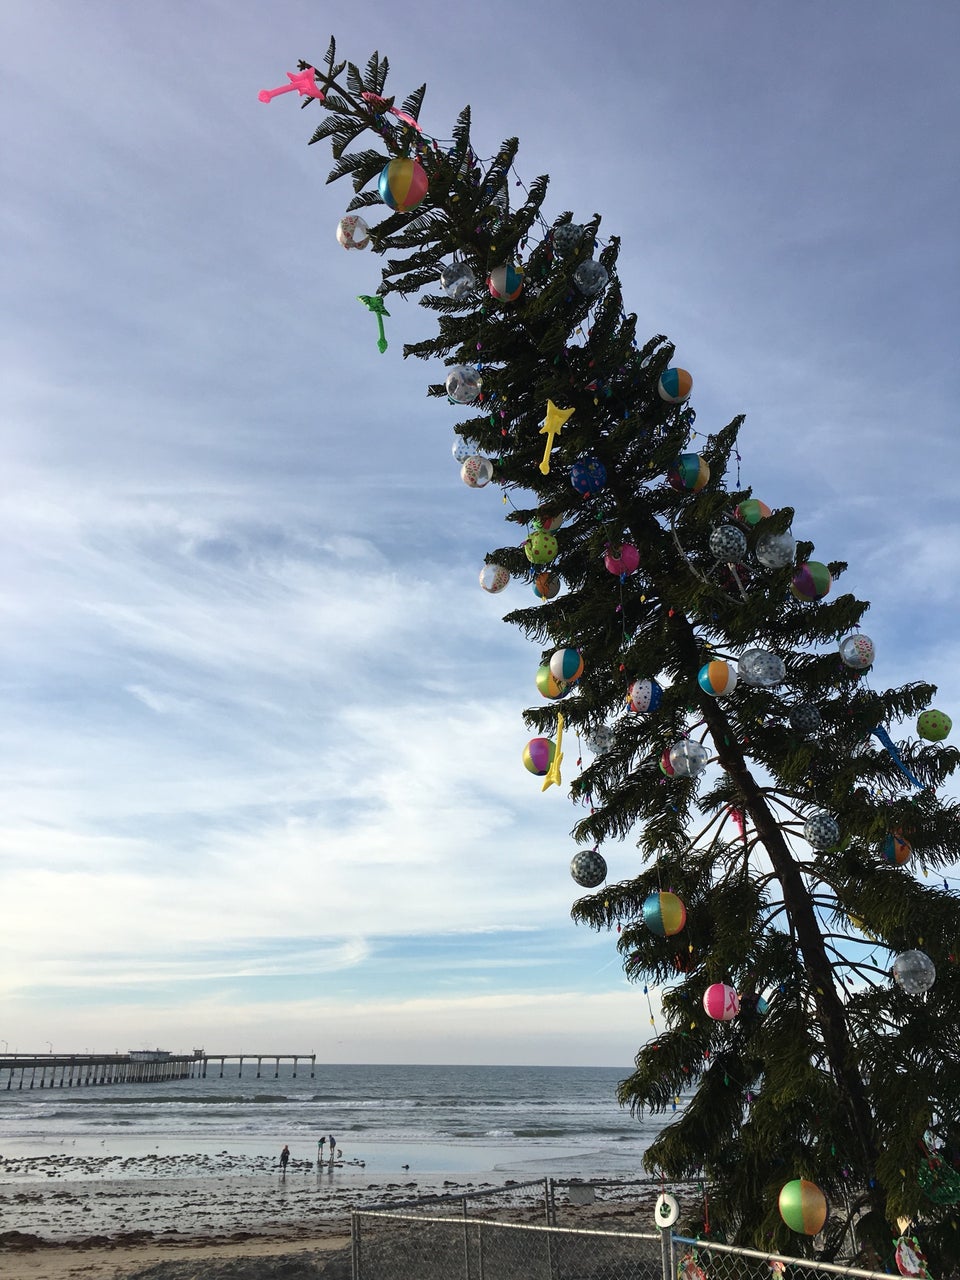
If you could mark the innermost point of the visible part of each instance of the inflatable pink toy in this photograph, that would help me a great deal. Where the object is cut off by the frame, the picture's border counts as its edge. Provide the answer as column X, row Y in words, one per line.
column 303, row 81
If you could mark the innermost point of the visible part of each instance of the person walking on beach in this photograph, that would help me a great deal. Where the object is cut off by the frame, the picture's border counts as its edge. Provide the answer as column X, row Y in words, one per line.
column 284, row 1157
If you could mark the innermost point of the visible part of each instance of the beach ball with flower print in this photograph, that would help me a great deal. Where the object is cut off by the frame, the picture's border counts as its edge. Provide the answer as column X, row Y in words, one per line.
column 538, row 755
column 403, row 183
column 751, row 511
column 476, row 472
column 587, row 476
column 857, row 651
column 933, row 726
column 546, row 585
column 812, row 581
column 664, row 914
column 895, row 849
column 721, row 1002
column 689, row 474
column 566, row 665
column 494, row 578
column 728, row 543
column 588, row 868
column 548, row 684
column 353, row 232
column 506, row 282
column 717, row 678
column 540, row 548
column 803, row 1207
column 674, row 386
column 622, row 558
column 644, row 695
column 761, row 668
column 821, row 831
column 463, row 383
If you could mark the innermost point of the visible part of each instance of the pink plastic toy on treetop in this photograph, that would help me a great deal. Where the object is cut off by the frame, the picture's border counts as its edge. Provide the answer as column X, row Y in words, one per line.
column 380, row 104
column 303, row 81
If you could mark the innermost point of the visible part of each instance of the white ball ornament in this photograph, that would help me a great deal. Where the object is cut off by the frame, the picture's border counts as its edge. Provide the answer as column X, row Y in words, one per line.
column 457, row 280
column 688, row 758
column 914, row 972
column 353, row 232
column 476, row 472
column 463, row 383
column 776, row 550
column 590, row 277
column 494, row 578
column 857, row 652
column 762, row 668
column 600, row 739
column 821, row 831
column 461, row 450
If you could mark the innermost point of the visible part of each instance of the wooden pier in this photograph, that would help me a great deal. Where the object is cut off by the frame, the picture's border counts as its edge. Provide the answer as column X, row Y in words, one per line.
column 75, row 1070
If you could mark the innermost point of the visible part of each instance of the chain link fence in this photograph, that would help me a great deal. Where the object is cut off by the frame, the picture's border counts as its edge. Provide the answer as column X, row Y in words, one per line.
column 699, row 1260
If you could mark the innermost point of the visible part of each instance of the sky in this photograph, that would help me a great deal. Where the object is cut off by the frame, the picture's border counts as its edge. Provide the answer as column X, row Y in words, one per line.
column 260, row 744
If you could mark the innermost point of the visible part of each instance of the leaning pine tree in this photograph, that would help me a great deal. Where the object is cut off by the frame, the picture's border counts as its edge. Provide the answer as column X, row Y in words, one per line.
column 725, row 703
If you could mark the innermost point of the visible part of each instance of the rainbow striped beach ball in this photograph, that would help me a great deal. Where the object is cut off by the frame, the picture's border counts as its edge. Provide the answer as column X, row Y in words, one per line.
column 721, row 1002
column 664, row 914
column 403, row 183
column 506, row 282
column 751, row 511
column 675, row 385
column 566, row 665
column 812, row 581
column 548, row 684
column 803, row 1207
column 690, row 473
column 895, row 849
column 538, row 755
column 717, row 678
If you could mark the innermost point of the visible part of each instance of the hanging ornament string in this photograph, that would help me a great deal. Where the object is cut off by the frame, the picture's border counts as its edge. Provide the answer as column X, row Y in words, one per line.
column 895, row 756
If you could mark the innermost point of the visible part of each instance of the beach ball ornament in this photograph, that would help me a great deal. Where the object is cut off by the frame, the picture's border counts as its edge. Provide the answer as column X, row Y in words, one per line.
column 803, row 1207
column 538, row 755
column 777, row 550
column 717, row 678
column 461, row 450
column 666, row 768
column 821, row 831
column 689, row 474
column 494, row 578
column 761, row 668
column 548, row 684
column 506, row 282
column 403, row 183
column 590, row 277
column 476, row 472
column 751, row 511
column 546, row 585
column 857, row 652
column 914, row 972
column 812, row 581
column 540, row 548
column 588, row 476
column 622, row 559
column 546, row 523
column 588, row 868
column 721, row 1002
column 457, row 280
column 933, row 726
column 664, row 914
column 645, row 695
column 688, row 758
column 895, row 849
column 805, row 719
column 728, row 543
column 566, row 665
column 463, row 383
column 353, row 232
column 674, row 386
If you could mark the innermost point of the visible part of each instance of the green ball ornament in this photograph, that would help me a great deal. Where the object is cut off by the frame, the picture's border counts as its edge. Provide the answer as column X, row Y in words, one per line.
column 933, row 725
column 803, row 1207
column 540, row 547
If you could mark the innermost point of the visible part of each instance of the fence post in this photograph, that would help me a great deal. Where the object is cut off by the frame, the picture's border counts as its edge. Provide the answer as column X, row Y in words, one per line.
column 479, row 1251
column 666, row 1252
column 466, row 1240
column 355, row 1245
column 550, row 1202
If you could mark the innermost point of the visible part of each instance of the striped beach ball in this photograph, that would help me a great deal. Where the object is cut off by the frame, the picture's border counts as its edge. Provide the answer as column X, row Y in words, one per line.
column 717, row 678
column 588, row 868
column 506, row 282
column 538, row 755
column 933, row 725
column 664, row 914
column 622, row 559
column 811, row 581
column 540, row 548
column 548, row 684
column 645, row 695
column 895, row 849
column 589, row 475
column 803, row 1207
column 546, row 585
column 675, row 385
column 403, row 183
column 566, row 665
column 353, row 232
column 751, row 511
column 721, row 1002
column 494, row 578
column 690, row 473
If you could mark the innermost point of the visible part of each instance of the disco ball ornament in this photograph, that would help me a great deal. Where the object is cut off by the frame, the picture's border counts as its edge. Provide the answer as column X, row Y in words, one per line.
column 622, row 559
column 538, row 755
column 914, row 972
column 476, row 472
column 645, row 695
column 548, row 684
column 567, row 237
column 540, row 548
column 933, row 726
column 812, row 581
column 689, row 474
column 457, row 280
column 805, row 719
column 403, row 183
column 728, row 543
column 674, row 386
column 589, row 475
column 494, row 578
column 821, row 831
column 717, row 678
column 664, row 914
column 721, row 1002
column 761, row 668
column 590, row 277
column 547, row 523
column 546, row 585
column 353, row 232
column 461, row 450
column 857, row 652
column 588, row 868
column 463, row 383
column 600, row 739
column 895, row 849
column 803, row 1207
column 566, row 665
column 688, row 758
column 751, row 511
column 776, row 550
column 506, row 282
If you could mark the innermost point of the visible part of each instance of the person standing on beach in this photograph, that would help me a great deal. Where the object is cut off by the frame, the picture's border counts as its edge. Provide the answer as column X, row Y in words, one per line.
column 284, row 1157
column 333, row 1146
column 320, row 1142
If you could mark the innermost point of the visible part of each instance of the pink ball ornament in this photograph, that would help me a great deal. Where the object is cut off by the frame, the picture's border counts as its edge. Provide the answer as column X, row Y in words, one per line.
column 721, row 1002
column 622, row 559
